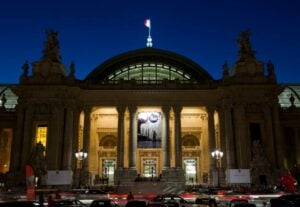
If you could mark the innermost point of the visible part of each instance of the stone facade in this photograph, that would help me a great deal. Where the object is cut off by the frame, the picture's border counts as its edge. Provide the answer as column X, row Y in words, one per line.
column 100, row 115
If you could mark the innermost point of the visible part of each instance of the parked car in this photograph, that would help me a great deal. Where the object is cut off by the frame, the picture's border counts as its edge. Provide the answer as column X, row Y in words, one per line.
column 136, row 203
column 156, row 205
column 103, row 203
column 205, row 201
column 169, row 197
column 20, row 204
column 172, row 203
column 291, row 200
column 238, row 202
column 68, row 203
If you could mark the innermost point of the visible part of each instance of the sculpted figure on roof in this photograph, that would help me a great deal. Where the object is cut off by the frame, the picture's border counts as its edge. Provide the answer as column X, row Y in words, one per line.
column 51, row 50
column 245, row 51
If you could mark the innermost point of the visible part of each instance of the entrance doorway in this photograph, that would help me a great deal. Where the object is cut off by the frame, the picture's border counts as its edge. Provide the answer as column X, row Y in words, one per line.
column 190, row 169
column 108, row 170
column 149, row 168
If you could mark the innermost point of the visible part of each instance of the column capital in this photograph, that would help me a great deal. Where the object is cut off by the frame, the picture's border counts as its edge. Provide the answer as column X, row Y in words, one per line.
column 210, row 109
column 132, row 109
column 177, row 109
column 121, row 109
column 166, row 108
column 87, row 109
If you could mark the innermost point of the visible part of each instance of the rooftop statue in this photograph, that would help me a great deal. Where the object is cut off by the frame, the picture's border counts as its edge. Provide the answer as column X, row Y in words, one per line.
column 225, row 69
column 51, row 50
column 72, row 70
column 245, row 51
column 25, row 68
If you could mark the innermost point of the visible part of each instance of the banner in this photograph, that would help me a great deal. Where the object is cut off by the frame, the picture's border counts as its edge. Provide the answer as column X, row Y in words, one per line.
column 30, row 183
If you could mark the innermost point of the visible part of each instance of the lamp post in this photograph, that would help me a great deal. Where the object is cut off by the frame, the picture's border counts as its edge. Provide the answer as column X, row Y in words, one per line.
column 218, row 154
column 80, row 156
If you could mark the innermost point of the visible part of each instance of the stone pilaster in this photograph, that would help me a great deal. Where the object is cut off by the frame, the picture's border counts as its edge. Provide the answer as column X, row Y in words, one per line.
column 229, row 140
column 68, row 139
column 17, row 142
column 132, row 137
column 178, row 146
column 86, row 136
column 27, row 136
column 269, row 143
column 55, row 138
column 166, row 142
column 242, row 142
column 211, row 136
column 278, row 138
column 297, row 142
column 120, row 147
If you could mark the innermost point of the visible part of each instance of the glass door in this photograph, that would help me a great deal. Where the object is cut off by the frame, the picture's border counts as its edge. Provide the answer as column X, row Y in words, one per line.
column 190, row 169
column 149, row 168
column 108, row 170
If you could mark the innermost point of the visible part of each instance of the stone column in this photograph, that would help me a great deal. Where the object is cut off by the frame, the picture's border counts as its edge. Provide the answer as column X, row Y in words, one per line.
column 132, row 137
column 269, row 142
column 68, row 140
column 27, row 136
column 120, row 147
column 166, row 145
column 55, row 137
column 17, row 141
column 86, row 136
column 243, row 144
column 278, row 138
column 211, row 136
column 297, row 142
column 76, row 115
column 229, row 140
column 178, row 145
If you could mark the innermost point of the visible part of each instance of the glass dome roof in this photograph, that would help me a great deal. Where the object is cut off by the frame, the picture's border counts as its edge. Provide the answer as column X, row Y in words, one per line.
column 149, row 64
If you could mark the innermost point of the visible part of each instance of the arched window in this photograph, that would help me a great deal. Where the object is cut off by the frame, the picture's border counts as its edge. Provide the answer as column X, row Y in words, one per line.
column 190, row 141
column 108, row 142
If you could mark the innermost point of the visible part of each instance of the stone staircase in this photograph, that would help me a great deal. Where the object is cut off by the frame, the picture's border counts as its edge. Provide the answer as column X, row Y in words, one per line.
column 147, row 187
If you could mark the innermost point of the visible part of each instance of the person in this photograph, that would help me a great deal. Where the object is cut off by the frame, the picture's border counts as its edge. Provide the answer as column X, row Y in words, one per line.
column 41, row 199
column 50, row 201
column 130, row 196
column 288, row 182
column 57, row 195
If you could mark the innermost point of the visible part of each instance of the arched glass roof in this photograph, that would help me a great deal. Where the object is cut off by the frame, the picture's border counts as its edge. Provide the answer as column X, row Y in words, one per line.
column 284, row 97
column 10, row 96
column 149, row 64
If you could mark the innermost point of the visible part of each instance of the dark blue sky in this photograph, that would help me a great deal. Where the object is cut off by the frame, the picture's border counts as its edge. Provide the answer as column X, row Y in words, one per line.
column 91, row 31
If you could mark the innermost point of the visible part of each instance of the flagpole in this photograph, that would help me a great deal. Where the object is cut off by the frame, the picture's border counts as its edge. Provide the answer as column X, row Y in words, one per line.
column 149, row 39
column 150, row 28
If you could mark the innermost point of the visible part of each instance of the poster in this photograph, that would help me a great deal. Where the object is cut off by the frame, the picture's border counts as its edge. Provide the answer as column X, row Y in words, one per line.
column 149, row 129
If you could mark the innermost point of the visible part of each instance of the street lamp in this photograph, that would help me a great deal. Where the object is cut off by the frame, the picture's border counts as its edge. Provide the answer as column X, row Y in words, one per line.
column 218, row 154
column 80, row 156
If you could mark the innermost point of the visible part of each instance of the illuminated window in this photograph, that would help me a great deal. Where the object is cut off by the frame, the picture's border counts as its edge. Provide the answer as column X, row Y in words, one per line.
column 41, row 134
column 149, row 71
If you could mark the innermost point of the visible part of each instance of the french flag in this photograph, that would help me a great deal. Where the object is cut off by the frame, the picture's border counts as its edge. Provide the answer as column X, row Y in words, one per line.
column 147, row 23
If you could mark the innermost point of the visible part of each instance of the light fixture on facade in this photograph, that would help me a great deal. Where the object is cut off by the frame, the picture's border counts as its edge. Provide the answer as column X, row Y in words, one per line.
column 217, row 154
column 81, row 155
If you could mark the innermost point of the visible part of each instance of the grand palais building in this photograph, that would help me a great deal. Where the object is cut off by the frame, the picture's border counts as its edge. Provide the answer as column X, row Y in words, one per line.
column 149, row 115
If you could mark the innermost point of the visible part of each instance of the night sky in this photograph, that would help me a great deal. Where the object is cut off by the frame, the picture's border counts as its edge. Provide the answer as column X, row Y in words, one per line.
column 92, row 31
